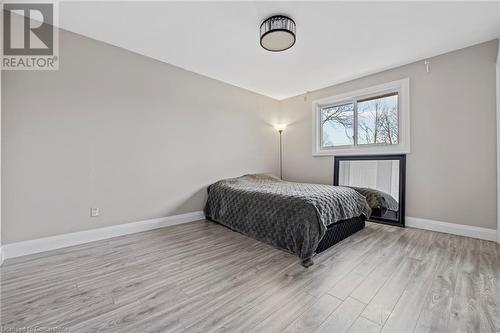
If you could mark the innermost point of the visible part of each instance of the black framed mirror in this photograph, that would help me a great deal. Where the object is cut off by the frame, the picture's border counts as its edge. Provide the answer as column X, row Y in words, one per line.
column 381, row 179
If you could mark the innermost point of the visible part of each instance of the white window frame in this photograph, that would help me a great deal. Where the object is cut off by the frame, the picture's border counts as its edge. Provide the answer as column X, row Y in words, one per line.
column 402, row 87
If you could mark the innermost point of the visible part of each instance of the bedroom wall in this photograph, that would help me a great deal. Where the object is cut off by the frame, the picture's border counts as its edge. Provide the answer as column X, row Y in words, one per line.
column 498, row 141
column 451, row 169
column 1, row 202
column 135, row 137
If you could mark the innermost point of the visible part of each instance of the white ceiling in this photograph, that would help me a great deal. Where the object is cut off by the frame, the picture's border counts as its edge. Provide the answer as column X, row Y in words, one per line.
column 336, row 41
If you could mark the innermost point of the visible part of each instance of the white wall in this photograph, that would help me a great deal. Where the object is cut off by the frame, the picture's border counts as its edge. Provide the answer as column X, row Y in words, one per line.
column 142, row 139
column 498, row 143
column 380, row 175
column 452, row 164
column 136, row 137
column 1, row 52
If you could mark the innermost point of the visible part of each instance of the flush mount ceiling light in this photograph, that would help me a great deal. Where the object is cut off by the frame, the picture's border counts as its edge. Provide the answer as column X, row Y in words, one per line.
column 277, row 33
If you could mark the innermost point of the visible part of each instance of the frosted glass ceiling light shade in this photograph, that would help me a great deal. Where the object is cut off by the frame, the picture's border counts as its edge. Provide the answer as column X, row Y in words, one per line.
column 277, row 33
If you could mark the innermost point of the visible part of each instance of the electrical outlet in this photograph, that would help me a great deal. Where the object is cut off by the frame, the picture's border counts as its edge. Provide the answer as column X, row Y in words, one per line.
column 94, row 212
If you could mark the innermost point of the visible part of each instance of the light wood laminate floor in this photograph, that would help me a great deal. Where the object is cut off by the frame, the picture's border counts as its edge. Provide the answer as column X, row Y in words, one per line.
column 202, row 277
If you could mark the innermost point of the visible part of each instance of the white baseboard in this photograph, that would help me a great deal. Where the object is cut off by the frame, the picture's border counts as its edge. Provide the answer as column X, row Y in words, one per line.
column 452, row 228
column 56, row 242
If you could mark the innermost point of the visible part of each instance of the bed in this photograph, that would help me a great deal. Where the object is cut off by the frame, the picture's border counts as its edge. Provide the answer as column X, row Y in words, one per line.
column 381, row 203
column 303, row 219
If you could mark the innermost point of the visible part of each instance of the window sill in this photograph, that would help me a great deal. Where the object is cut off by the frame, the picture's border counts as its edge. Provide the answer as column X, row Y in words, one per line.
column 384, row 150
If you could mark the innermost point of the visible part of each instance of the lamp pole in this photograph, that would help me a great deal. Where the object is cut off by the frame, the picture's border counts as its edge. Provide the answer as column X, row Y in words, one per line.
column 281, row 154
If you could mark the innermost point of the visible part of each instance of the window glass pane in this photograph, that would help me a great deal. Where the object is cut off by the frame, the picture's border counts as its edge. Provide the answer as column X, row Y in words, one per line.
column 337, row 125
column 378, row 120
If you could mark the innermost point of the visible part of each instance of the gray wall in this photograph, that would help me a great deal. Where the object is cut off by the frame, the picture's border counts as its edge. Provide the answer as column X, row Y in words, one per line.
column 498, row 142
column 451, row 171
column 112, row 129
column 142, row 139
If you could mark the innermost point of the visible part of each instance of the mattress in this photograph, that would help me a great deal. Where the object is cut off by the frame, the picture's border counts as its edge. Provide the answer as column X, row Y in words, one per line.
column 291, row 216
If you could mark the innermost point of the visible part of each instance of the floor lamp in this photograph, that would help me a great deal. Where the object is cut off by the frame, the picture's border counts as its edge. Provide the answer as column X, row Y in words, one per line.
column 280, row 129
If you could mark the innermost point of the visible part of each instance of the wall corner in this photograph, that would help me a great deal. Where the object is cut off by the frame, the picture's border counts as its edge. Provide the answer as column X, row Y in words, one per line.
column 498, row 139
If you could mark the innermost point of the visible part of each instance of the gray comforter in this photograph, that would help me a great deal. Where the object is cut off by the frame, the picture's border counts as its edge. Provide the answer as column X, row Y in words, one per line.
column 291, row 216
column 377, row 199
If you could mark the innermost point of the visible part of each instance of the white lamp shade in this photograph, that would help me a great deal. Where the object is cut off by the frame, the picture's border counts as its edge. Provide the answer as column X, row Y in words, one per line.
column 280, row 127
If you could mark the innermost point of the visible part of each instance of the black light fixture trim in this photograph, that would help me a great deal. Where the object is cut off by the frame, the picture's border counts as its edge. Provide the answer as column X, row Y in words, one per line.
column 274, row 24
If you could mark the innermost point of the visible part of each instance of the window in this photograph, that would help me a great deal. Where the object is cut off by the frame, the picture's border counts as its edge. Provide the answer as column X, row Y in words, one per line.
column 337, row 125
column 373, row 120
column 378, row 120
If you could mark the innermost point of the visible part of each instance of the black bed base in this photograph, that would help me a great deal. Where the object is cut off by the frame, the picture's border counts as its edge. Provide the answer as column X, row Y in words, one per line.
column 340, row 231
column 335, row 233
column 385, row 213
